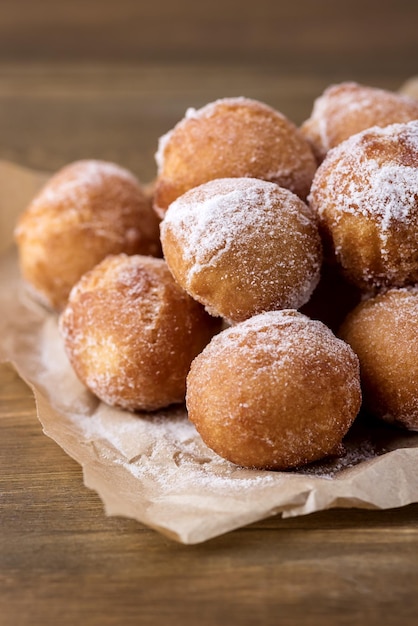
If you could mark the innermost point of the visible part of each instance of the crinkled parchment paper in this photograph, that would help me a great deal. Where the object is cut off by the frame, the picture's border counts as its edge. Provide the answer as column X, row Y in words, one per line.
column 154, row 467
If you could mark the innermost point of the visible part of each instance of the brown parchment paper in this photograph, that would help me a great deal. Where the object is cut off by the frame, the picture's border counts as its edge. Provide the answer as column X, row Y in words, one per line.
column 154, row 467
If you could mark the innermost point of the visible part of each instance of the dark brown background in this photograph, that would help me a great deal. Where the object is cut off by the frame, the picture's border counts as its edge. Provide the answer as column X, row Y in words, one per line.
column 360, row 36
column 104, row 79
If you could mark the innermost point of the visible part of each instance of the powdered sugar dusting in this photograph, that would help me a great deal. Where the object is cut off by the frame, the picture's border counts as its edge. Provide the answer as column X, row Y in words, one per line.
column 383, row 332
column 204, row 112
column 373, row 175
column 159, row 155
column 212, row 218
column 363, row 443
column 281, row 334
column 232, row 137
column 349, row 108
column 282, row 337
column 264, row 378
column 387, row 192
column 238, row 220
column 115, row 332
column 164, row 448
column 383, row 189
column 210, row 109
column 95, row 198
column 75, row 181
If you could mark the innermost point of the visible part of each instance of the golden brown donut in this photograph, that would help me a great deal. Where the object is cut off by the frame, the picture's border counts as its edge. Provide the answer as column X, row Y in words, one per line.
column 348, row 108
column 233, row 137
column 88, row 210
column 274, row 392
column 366, row 196
column 131, row 333
column 241, row 246
column 383, row 331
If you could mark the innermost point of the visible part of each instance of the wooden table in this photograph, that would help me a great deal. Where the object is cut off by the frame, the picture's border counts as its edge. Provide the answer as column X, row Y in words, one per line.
column 61, row 560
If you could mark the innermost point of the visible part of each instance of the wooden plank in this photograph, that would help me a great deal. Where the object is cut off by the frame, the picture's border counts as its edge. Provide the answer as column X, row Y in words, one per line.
column 291, row 36
column 62, row 559
column 51, row 114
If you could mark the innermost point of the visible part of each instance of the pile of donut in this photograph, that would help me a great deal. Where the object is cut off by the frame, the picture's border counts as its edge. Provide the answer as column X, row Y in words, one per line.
column 287, row 294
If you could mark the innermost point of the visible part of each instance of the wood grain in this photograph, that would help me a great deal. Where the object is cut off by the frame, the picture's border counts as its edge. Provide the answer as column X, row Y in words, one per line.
column 51, row 113
column 293, row 36
column 62, row 560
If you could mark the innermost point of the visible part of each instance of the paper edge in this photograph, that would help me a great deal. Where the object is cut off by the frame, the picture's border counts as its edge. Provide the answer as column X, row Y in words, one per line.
column 332, row 495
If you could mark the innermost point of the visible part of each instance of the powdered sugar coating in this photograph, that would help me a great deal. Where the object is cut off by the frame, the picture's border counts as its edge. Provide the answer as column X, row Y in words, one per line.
column 348, row 108
column 85, row 211
column 131, row 333
column 81, row 177
column 280, row 335
column 232, row 137
column 241, row 246
column 383, row 330
column 366, row 196
column 207, row 112
column 277, row 390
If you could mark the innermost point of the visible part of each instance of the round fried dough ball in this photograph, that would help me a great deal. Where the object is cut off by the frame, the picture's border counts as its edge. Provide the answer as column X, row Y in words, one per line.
column 383, row 331
column 348, row 108
column 241, row 246
column 131, row 333
column 88, row 210
column 274, row 392
column 366, row 196
column 233, row 137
